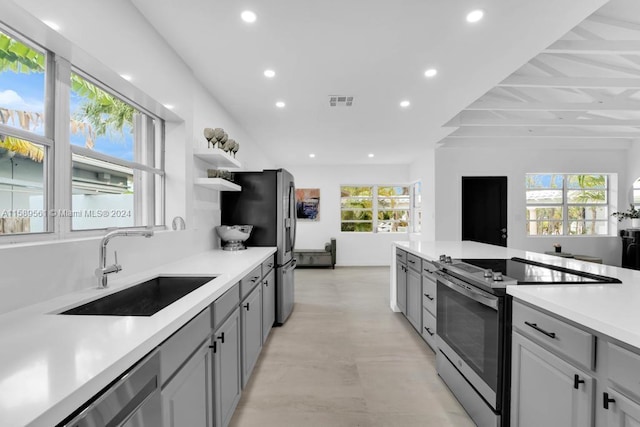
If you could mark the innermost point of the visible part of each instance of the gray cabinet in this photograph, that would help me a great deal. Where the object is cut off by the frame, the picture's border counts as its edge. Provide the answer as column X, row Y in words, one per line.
column 226, row 369
column 251, row 321
column 185, row 375
column 428, row 304
column 547, row 390
column 401, row 280
column 621, row 411
column 187, row 400
column 268, row 303
column 414, row 299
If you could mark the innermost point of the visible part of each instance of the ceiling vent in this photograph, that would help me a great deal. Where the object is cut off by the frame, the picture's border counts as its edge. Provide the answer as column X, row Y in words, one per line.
column 340, row 101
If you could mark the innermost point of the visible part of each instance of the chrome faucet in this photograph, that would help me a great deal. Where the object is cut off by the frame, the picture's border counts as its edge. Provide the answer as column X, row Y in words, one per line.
column 103, row 269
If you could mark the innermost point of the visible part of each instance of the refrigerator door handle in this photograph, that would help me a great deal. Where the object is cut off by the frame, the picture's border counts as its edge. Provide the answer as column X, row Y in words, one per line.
column 292, row 214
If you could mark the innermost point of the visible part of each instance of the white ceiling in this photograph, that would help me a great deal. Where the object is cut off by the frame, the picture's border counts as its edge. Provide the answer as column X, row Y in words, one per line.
column 377, row 51
column 582, row 91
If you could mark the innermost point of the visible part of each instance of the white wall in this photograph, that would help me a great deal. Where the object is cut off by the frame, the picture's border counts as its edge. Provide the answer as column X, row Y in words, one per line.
column 453, row 163
column 38, row 271
column 633, row 166
column 353, row 249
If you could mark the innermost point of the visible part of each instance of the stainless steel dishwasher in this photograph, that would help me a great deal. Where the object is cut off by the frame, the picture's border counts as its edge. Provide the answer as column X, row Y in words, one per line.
column 133, row 400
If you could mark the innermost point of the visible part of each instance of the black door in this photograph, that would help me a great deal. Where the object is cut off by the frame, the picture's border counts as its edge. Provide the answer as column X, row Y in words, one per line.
column 484, row 209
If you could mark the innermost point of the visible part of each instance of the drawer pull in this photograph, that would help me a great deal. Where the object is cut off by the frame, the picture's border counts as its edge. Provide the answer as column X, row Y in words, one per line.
column 539, row 329
column 254, row 279
column 429, row 296
column 412, row 261
column 606, row 400
column 577, row 381
column 429, row 331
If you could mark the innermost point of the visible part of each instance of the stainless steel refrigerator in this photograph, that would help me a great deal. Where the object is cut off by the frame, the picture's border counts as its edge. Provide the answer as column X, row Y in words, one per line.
column 267, row 201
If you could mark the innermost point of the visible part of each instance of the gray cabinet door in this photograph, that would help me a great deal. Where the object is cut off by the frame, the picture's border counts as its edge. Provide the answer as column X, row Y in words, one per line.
column 226, row 358
column 401, row 287
column 268, row 304
column 251, row 320
column 622, row 411
column 414, row 299
column 187, row 400
column 546, row 390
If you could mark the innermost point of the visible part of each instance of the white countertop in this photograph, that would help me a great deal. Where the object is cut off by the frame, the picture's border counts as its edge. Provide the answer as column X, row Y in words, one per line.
column 609, row 309
column 51, row 364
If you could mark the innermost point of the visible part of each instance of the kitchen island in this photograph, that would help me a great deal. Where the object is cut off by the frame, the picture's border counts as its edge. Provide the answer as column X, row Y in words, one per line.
column 573, row 348
column 610, row 309
column 51, row 364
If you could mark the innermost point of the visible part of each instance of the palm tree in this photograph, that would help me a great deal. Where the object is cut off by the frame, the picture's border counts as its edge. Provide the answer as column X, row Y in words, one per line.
column 99, row 114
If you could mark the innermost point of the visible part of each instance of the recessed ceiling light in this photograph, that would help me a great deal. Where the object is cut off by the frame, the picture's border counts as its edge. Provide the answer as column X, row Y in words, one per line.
column 280, row 104
column 430, row 72
column 269, row 73
column 248, row 16
column 169, row 106
column 312, row 155
column 127, row 77
column 475, row 15
column 405, row 104
column 51, row 24
column 370, row 155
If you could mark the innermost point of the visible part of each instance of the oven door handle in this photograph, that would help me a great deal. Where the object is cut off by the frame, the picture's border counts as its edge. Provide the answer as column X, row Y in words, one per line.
column 483, row 298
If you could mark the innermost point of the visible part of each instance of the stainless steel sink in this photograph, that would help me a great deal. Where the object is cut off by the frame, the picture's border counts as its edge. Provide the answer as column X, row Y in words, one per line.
column 144, row 299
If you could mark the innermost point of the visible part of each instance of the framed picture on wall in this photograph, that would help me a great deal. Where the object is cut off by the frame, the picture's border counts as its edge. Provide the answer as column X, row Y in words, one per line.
column 308, row 204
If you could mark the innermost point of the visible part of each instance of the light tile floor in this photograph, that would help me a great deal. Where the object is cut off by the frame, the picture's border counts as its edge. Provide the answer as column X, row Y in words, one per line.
column 345, row 359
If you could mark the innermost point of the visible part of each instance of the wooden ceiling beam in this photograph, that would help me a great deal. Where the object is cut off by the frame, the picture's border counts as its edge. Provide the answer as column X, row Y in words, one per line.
column 615, row 105
column 539, row 132
column 595, row 47
column 572, row 82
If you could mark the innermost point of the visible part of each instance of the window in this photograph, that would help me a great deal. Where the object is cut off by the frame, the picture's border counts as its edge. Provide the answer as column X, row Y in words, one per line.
column 115, row 171
column 636, row 193
column 567, row 204
column 356, row 205
column 374, row 208
column 26, row 143
column 115, row 167
column 416, row 218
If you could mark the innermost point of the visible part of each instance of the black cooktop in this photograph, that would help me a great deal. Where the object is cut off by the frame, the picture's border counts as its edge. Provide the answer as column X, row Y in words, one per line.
column 528, row 272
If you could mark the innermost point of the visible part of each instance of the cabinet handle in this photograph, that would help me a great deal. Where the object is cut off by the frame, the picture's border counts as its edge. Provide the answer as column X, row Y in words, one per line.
column 429, row 296
column 411, row 261
column 577, row 381
column 214, row 346
column 266, row 283
column 221, row 338
column 606, row 400
column 246, row 306
column 253, row 280
column 429, row 331
column 539, row 329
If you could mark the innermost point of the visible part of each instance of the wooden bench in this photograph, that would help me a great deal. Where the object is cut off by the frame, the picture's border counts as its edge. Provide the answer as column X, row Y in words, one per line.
column 317, row 257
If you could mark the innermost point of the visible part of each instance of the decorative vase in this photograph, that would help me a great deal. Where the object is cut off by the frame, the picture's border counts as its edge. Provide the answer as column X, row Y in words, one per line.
column 635, row 222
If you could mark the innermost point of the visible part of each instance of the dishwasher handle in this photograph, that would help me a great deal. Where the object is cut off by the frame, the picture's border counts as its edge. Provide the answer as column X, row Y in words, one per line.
column 116, row 405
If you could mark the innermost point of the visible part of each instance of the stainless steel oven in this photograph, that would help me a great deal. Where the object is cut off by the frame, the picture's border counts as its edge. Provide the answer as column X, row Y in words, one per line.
column 472, row 344
column 474, row 327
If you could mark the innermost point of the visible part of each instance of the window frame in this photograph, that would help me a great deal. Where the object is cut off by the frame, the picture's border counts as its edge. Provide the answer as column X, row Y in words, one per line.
column 145, row 204
column 564, row 204
column 57, row 173
column 375, row 208
column 46, row 140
